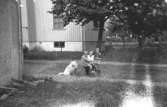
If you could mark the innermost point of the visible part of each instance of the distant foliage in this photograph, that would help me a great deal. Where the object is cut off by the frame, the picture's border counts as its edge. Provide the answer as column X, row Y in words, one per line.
column 145, row 18
column 25, row 49
column 82, row 11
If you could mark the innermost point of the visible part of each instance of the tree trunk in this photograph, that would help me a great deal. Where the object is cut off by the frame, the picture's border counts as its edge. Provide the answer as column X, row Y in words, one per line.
column 100, row 35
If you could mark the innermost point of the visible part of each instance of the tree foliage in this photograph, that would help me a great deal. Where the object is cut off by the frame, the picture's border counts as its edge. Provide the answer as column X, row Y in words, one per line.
column 85, row 11
column 143, row 17
column 82, row 11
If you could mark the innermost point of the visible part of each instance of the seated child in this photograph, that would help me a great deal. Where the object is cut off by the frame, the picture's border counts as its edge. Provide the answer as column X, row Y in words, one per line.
column 91, row 58
column 85, row 62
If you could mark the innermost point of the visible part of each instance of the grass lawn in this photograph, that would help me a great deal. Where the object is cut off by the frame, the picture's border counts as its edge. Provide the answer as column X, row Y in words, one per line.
column 90, row 92
column 121, row 54
column 62, row 94
column 144, row 55
column 81, row 93
column 37, row 55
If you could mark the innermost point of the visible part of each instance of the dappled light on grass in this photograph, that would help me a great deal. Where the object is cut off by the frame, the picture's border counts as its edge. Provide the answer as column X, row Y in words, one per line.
column 133, row 100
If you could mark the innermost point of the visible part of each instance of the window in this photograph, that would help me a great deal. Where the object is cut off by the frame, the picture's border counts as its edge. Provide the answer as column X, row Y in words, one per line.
column 59, row 44
column 58, row 23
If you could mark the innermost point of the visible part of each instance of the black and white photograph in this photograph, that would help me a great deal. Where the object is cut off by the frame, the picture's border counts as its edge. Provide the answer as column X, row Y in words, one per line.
column 83, row 53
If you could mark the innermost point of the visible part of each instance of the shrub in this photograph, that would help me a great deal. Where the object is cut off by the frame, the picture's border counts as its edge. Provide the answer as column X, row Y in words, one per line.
column 25, row 49
column 37, row 49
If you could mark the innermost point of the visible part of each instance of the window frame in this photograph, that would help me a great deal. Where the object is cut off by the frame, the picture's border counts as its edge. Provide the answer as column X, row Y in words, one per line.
column 59, row 44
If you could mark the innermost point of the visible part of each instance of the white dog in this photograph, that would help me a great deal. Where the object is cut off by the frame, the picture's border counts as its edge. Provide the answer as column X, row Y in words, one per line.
column 71, row 68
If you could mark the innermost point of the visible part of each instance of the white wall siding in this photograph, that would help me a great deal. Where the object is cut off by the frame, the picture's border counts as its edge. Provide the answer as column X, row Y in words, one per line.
column 25, row 26
column 90, row 36
column 44, row 25
column 90, row 33
column 31, row 20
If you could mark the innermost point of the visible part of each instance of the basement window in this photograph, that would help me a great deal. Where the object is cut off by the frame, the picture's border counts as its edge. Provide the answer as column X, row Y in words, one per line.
column 59, row 44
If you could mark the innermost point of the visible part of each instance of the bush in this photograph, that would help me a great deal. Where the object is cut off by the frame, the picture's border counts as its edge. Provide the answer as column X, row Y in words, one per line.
column 37, row 49
column 25, row 49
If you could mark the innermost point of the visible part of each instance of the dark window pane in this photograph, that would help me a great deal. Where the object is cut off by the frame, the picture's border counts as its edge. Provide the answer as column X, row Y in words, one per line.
column 59, row 44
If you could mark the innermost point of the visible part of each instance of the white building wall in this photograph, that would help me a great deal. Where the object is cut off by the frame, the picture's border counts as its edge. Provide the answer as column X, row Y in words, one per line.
column 69, row 46
column 71, row 34
column 44, row 23
column 25, row 27
column 91, row 34
column 10, row 50
column 90, row 37
column 77, row 38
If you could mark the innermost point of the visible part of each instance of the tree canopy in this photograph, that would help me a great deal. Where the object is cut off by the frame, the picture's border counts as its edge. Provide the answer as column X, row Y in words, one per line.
column 82, row 11
column 85, row 11
column 143, row 17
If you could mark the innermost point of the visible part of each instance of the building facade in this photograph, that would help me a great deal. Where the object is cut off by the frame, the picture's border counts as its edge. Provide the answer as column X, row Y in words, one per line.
column 41, row 28
column 10, row 42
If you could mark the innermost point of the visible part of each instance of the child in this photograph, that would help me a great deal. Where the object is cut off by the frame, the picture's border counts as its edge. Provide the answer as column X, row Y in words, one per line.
column 86, row 62
column 91, row 58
